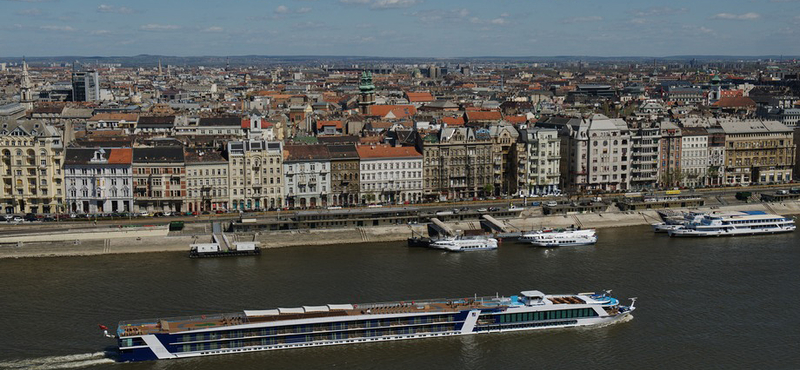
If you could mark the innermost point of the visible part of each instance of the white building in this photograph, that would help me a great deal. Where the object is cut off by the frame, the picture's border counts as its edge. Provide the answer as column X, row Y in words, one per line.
column 390, row 174
column 542, row 167
column 609, row 148
column 98, row 180
column 694, row 157
column 307, row 170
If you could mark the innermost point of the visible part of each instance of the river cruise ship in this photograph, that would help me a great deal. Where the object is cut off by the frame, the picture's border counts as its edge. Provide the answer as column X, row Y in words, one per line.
column 735, row 224
column 465, row 244
column 337, row 324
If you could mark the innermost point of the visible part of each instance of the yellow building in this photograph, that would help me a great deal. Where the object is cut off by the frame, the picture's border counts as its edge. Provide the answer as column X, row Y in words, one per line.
column 31, row 167
column 758, row 152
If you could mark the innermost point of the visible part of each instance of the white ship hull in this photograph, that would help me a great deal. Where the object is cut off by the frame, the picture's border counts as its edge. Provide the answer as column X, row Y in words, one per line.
column 580, row 323
column 729, row 232
column 466, row 245
column 564, row 243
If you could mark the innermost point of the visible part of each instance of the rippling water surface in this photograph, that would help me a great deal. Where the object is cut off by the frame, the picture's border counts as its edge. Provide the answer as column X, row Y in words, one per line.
column 703, row 303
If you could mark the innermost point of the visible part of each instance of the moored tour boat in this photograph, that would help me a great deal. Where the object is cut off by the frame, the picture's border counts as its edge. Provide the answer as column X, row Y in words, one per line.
column 465, row 244
column 735, row 224
column 558, row 238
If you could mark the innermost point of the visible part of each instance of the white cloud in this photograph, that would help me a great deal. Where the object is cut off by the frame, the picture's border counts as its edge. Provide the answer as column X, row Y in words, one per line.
column 99, row 32
column 303, row 10
column 393, row 4
column 658, row 11
column 593, row 18
column 498, row 21
column 355, row 1
column 159, row 27
column 57, row 28
column 438, row 15
column 104, row 8
column 30, row 12
column 214, row 29
column 281, row 9
column 739, row 17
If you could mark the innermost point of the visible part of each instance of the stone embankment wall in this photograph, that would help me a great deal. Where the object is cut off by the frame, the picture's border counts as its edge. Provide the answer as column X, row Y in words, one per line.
column 92, row 242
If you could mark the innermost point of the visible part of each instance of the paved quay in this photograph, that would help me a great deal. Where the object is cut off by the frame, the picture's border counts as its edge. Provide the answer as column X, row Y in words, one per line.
column 49, row 241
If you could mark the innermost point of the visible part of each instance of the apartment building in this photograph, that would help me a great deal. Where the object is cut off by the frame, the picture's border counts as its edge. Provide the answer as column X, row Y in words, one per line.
column 256, row 174
column 540, row 173
column 206, row 180
column 758, row 152
column 645, row 139
column 608, row 154
column 159, row 179
column 390, row 174
column 458, row 164
column 345, row 175
column 98, row 180
column 307, row 170
column 694, row 157
column 31, row 167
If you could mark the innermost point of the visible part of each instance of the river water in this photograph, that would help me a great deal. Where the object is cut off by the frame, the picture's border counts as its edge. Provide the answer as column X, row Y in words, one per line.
column 703, row 303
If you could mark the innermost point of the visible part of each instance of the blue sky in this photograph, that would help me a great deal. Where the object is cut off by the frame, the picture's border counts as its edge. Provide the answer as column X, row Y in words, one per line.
column 414, row 28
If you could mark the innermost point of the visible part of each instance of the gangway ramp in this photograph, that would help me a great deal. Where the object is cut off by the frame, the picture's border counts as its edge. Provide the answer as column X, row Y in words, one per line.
column 438, row 227
column 221, row 241
column 493, row 224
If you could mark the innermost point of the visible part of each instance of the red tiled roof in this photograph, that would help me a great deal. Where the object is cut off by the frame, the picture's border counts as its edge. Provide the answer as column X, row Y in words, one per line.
column 734, row 102
column 385, row 151
column 115, row 117
column 121, row 156
column 731, row 93
column 453, row 121
column 420, row 97
column 516, row 119
column 399, row 111
column 321, row 124
column 484, row 116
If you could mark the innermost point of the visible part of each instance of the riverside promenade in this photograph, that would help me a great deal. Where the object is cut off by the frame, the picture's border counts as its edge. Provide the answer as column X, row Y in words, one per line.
column 43, row 240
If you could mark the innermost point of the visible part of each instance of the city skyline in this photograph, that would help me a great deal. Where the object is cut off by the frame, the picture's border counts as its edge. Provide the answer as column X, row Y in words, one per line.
column 398, row 28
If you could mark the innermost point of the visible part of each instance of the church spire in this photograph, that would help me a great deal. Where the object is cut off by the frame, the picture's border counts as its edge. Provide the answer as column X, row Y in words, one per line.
column 25, row 95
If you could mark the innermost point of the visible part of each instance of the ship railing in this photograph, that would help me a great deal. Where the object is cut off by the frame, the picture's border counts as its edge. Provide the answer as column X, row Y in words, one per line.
column 483, row 300
column 178, row 319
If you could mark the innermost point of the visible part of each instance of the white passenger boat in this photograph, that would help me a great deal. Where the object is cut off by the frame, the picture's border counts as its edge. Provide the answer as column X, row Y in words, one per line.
column 735, row 224
column 559, row 238
column 465, row 244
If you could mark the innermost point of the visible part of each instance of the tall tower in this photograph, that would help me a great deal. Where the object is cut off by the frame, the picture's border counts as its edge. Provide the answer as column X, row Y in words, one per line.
column 715, row 91
column 159, row 67
column 367, row 93
column 25, row 94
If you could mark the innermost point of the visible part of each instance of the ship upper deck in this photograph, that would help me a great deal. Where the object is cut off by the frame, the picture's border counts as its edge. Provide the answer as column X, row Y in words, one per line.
column 173, row 325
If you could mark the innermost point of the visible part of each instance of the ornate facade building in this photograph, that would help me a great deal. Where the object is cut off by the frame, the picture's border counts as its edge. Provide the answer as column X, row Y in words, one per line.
column 758, row 152
column 307, row 169
column 345, row 175
column 98, row 180
column 159, row 178
column 458, row 164
column 256, row 174
column 31, row 167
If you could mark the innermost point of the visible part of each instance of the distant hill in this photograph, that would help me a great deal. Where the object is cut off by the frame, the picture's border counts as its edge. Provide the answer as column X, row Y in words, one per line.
column 146, row 60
